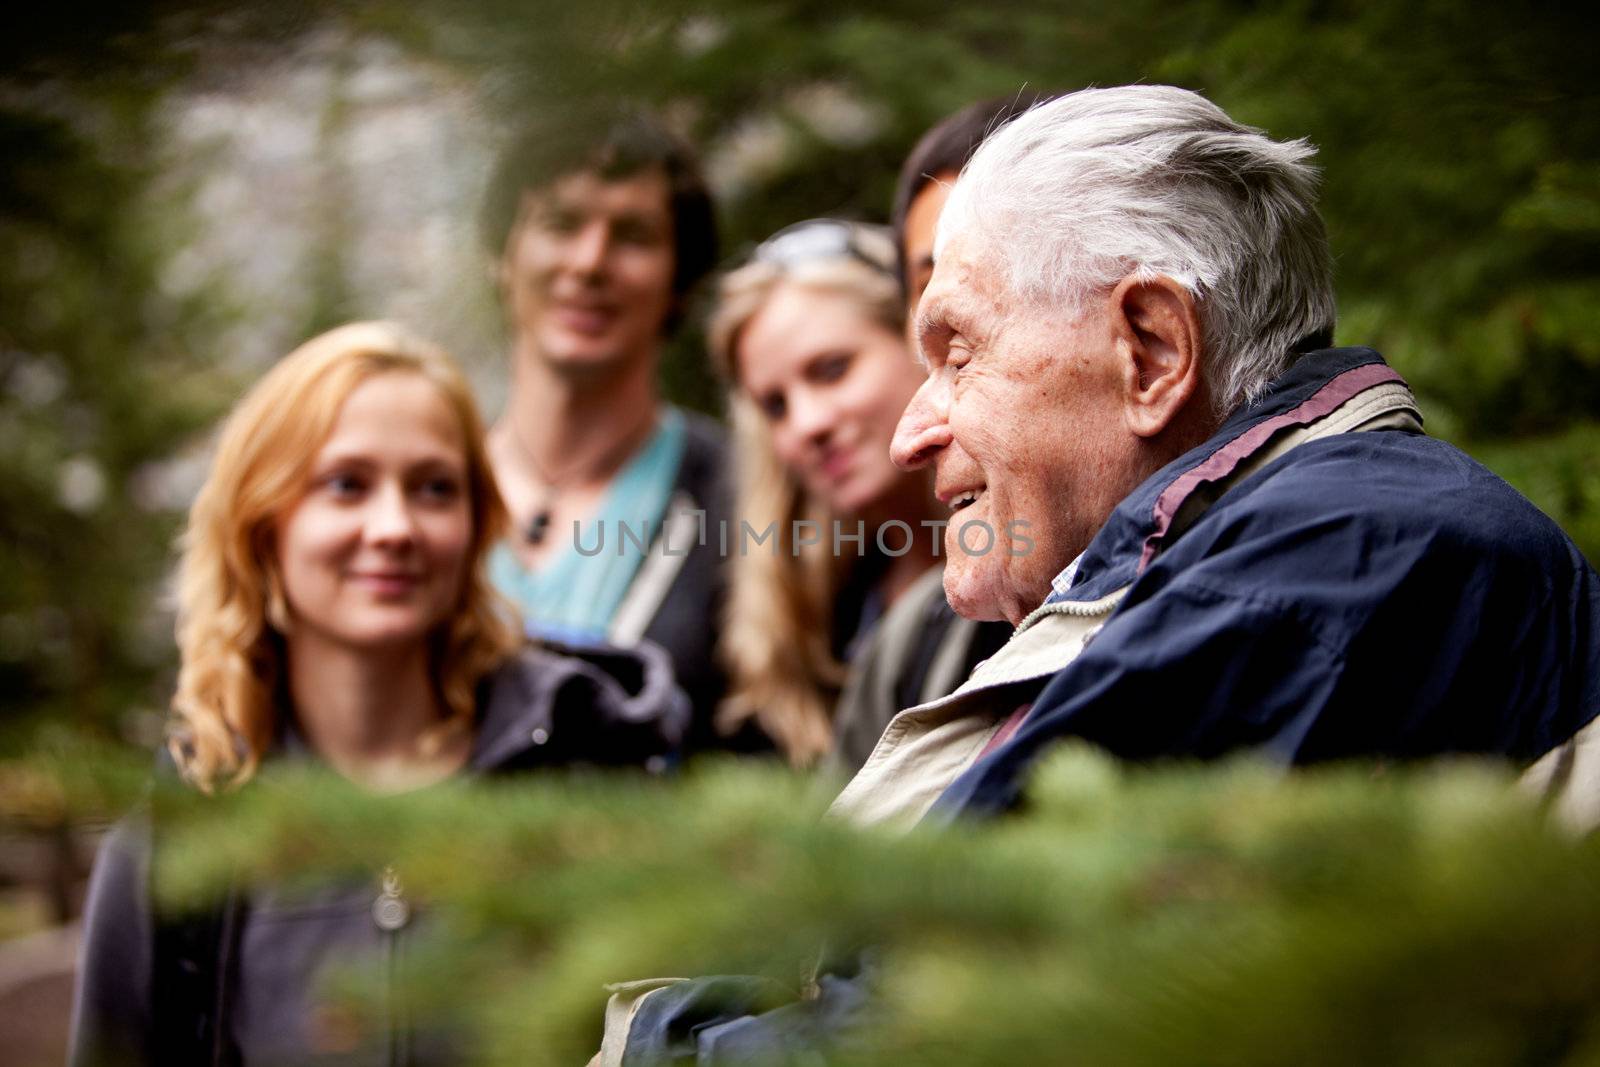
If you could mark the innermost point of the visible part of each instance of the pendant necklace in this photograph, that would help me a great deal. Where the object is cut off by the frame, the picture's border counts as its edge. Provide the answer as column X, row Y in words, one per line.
column 537, row 528
column 538, row 524
column 539, row 521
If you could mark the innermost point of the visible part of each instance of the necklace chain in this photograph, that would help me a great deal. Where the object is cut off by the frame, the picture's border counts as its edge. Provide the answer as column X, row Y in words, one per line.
column 537, row 526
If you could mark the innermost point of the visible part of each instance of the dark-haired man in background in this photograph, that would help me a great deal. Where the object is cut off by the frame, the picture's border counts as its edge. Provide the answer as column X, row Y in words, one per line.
column 602, row 225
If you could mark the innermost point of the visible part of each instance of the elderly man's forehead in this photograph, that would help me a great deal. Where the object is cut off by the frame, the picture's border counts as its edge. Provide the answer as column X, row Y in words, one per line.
column 969, row 275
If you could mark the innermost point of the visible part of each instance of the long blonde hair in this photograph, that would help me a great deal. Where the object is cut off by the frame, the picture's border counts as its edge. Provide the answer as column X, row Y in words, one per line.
column 777, row 626
column 231, row 609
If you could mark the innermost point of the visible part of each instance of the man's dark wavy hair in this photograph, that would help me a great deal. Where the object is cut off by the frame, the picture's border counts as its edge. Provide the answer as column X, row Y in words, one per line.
column 947, row 146
column 614, row 143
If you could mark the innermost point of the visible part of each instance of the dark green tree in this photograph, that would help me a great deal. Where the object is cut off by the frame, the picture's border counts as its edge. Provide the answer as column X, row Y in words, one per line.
column 103, row 375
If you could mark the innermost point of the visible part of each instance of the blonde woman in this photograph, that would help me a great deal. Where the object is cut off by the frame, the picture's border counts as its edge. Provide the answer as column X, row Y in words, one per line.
column 810, row 335
column 333, row 607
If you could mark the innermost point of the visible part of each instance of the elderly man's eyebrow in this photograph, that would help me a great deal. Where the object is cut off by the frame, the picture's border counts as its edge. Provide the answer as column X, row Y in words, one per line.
column 944, row 315
column 934, row 323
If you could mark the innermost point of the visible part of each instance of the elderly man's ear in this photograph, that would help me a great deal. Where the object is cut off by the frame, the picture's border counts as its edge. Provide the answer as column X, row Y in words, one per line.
column 1156, row 333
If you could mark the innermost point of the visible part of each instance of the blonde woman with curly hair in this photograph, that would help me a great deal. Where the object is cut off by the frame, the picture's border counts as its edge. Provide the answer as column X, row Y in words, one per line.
column 332, row 607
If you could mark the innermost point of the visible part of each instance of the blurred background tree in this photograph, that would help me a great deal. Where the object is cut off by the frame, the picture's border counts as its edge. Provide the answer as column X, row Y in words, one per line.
column 104, row 373
column 192, row 188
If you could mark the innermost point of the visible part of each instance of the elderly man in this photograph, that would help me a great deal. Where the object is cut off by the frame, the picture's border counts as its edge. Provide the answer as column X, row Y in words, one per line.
column 1230, row 536
column 1240, row 537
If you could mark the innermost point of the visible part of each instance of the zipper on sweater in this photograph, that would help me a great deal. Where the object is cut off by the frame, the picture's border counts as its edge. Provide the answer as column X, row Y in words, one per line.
column 390, row 913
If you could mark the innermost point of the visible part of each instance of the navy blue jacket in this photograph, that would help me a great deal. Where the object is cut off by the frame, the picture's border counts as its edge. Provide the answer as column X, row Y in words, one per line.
column 1366, row 594
column 1373, row 594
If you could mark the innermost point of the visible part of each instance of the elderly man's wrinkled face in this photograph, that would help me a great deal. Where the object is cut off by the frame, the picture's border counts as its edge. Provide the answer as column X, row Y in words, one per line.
column 1022, row 419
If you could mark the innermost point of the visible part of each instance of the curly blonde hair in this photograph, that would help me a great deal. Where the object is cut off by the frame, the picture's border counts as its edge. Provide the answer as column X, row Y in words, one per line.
column 776, row 630
column 231, row 608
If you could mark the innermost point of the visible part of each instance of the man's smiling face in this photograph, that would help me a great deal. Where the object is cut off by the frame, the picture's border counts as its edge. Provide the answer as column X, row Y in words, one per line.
column 1022, row 420
column 587, row 271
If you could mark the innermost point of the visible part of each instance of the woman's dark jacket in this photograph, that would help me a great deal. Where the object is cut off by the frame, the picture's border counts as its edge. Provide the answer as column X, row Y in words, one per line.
column 240, row 985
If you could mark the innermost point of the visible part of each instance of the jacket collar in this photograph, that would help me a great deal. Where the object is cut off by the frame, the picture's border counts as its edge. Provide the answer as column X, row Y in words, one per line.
column 1314, row 386
column 628, row 691
column 628, row 695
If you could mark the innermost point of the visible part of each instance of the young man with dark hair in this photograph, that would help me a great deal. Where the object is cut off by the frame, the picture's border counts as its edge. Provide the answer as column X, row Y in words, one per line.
column 928, row 173
column 601, row 225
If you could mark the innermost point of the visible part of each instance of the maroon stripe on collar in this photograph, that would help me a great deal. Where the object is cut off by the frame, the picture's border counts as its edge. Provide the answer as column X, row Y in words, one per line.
column 1007, row 728
column 1225, row 460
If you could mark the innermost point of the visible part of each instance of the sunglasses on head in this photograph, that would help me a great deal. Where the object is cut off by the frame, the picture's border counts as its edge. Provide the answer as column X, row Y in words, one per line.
column 815, row 240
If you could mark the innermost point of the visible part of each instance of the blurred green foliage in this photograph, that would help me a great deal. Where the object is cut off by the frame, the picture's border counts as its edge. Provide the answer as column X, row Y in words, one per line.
column 101, row 376
column 1461, row 144
column 1218, row 914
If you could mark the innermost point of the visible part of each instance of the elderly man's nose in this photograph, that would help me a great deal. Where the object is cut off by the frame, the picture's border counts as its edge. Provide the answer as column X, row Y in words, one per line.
column 923, row 428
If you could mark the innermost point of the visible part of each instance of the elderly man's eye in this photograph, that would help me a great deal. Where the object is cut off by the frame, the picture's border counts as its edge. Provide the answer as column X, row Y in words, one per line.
column 957, row 356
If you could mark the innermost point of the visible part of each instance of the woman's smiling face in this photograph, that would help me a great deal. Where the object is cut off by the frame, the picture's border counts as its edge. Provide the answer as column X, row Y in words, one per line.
column 831, row 382
column 374, row 552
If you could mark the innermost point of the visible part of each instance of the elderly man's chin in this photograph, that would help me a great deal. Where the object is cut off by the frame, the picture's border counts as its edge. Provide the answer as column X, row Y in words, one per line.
column 977, row 588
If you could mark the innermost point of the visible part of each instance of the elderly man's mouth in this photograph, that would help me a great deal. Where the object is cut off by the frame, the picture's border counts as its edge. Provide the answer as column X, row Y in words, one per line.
column 964, row 499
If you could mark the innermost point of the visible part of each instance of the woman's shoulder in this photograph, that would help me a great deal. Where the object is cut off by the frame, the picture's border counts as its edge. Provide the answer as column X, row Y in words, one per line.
column 919, row 651
column 596, row 703
column 111, row 1000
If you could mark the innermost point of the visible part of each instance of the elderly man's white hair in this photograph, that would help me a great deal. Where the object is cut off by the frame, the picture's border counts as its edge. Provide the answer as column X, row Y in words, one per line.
column 1083, row 190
